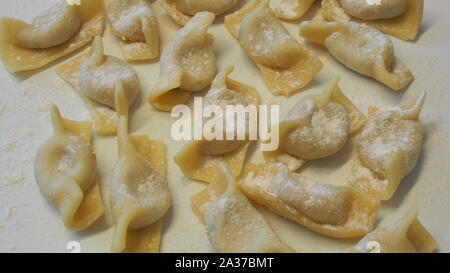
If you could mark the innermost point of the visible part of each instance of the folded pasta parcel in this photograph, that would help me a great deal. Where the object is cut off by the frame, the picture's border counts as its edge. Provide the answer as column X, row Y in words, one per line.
column 95, row 76
column 388, row 149
column 140, row 195
column 233, row 224
column 292, row 9
column 53, row 34
column 335, row 211
column 199, row 159
column 188, row 64
column 66, row 172
column 398, row 233
column 285, row 64
column 134, row 23
column 399, row 18
column 361, row 48
column 182, row 11
column 317, row 127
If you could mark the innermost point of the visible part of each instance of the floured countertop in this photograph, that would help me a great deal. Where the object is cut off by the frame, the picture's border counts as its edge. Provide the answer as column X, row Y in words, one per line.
column 29, row 223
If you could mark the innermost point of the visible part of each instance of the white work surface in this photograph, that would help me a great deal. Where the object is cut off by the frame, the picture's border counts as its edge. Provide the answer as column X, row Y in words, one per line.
column 28, row 223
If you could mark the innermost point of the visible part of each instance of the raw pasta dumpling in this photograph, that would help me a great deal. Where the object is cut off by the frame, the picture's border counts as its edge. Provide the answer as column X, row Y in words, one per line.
column 188, row 64
column 200, row 159
column 66, row 172
column 398, row 234
column 368, row 10
column 95, row 77
column 134, row 23
column 292, row 9
column 286, row 66
column 139, row 194
column 361, row 48
column 388, row 149
column 317, row 127
column 233, row 224
column 53, row 34
column 399, row 18
column 182, row 11
column 52, row 27
column 335, row 211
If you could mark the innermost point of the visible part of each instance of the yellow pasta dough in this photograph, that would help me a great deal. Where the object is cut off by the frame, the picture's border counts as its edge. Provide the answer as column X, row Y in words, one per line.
column 139, row 191
column 341, row 212
column 388, row 149
column 361, row 48
column 317, row 127
column 398, row 234
column 234, row 225
column 134, row 23
column 95, row 76
column 52, row 35
column 188, row 64
column 286, row 66
column 383, row 17
column 66, row 172
column 292, row 9
column 182, row 11
column 199, row 159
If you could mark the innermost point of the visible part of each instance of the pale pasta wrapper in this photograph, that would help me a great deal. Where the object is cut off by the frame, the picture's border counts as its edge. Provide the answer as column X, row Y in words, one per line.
column 200, row 159
column 398, row 234
column 95, row 76
column 233, row 224
column 188, row 64
column 292, row 9
column 181, row 11
column 18, row 58
column 388, row 149
column 405, row 26
column 285, row 64
column 66, row 172
column 135, row 25
column 361, row 48
column 316, row 127
column 340, row 212
column 139, row 190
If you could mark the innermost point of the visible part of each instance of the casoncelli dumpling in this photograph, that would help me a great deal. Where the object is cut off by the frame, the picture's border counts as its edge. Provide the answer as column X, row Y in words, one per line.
column 139, row 193
column 388, row 149
column 317, row 127
column 199, row 159
column 362, row 49
column 95, row 76
column 399, row 18
column 286, row 66
column 233, row 224
column 66, row 172
column 335, row 211
column 182, row 10
column 52, row 34
column 188, row 64
column 134, row 23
